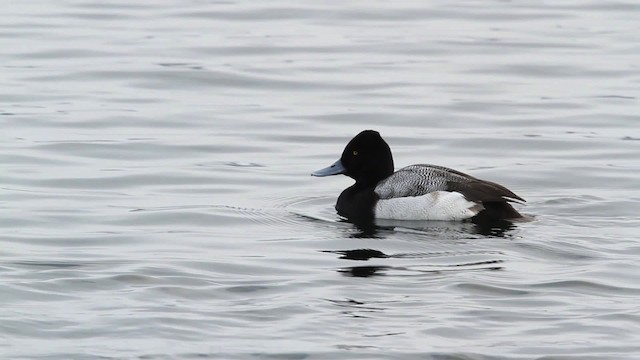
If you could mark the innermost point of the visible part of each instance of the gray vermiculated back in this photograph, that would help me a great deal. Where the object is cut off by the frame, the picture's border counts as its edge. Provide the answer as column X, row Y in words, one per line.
column 416, row 180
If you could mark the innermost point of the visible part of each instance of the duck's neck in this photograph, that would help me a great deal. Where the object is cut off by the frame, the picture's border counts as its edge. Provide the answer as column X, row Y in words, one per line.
column 365, row 184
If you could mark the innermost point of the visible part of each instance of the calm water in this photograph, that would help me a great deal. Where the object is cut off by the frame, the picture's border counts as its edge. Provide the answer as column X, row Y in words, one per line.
column 156, row 200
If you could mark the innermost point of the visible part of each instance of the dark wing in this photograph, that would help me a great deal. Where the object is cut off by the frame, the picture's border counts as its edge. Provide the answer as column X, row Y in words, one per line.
column 416, row 180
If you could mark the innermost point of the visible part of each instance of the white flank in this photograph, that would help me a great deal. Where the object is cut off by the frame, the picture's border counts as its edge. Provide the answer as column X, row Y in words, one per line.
column 437, row 205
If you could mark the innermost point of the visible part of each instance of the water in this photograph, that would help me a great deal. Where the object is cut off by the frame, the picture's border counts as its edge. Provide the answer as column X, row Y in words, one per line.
column 157, row 204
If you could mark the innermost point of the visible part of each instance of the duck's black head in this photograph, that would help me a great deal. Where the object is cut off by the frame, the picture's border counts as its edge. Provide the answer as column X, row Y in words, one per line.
column 366, row 158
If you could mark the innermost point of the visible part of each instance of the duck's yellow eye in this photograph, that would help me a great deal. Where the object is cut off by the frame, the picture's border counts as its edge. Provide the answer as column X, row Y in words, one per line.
column 355, row 152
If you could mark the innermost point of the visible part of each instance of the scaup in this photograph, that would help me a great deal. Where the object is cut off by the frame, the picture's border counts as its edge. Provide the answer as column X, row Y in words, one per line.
column 415, row 192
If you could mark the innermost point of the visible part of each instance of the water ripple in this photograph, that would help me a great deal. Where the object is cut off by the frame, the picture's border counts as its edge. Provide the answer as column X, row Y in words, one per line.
column 155, row 183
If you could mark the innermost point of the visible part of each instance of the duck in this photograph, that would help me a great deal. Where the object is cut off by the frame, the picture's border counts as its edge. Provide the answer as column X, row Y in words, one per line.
column 414, row 192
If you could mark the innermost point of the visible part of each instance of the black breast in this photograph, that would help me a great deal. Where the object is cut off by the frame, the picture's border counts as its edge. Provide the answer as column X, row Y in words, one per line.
column 357, row 204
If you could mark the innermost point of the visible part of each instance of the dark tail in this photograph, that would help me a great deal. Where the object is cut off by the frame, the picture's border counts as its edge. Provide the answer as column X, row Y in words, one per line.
column 496, row 211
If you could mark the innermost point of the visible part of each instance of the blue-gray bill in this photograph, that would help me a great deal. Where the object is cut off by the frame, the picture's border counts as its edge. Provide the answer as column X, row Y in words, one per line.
column 335, row 169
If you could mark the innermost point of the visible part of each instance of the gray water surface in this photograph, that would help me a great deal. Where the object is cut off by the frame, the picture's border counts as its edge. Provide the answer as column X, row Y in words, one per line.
column 156, row 200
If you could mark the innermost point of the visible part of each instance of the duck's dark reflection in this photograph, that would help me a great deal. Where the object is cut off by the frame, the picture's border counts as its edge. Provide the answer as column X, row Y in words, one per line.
column 359, row 254
column 440, row 230
column 373, row 229
column 381, row 270
column 494, row 228
column 366, row 228
column 364, row 271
